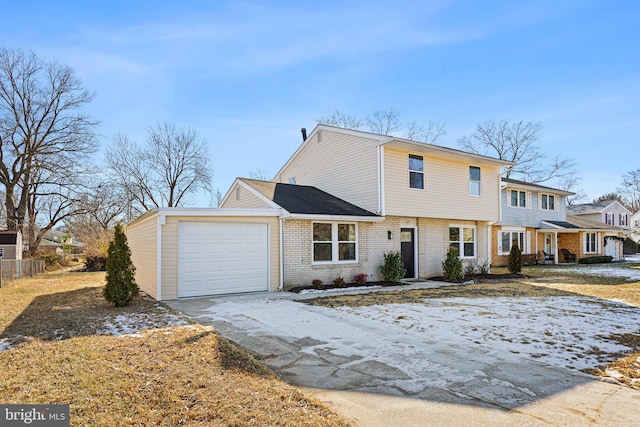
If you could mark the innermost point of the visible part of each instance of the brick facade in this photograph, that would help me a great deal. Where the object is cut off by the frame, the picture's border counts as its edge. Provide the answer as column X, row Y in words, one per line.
column 432, row 243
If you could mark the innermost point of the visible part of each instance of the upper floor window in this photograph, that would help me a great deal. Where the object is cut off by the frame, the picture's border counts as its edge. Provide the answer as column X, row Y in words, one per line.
column 334, row 242
column 608, row 218
column 624, row 219
column 590, row 245
column 416, row 171
column 474, row 180
column 518, row 199
column 548, row 202
column 464, row 240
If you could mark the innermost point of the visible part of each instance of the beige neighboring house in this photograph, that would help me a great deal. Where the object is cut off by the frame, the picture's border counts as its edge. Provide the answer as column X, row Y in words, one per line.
column 10, row 245
column 341, row 201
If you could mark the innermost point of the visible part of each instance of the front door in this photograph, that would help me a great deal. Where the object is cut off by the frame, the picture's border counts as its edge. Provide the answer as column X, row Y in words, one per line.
column 407, row 250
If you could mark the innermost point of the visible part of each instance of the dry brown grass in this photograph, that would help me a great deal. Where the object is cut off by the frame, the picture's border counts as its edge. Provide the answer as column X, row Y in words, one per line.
column 168, row 375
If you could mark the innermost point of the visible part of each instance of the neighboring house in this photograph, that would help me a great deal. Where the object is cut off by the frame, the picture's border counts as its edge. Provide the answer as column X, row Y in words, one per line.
column 338, row 204
column 54, row 241
column 610, row 212
column 635, row 226
column 537, row 218
column 524, row 208
column 10, row 244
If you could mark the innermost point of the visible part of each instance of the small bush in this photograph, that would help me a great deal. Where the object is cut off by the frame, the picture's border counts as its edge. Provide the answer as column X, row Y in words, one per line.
column 317, row 284
column 95, row 263
column 392, row 269
column 360, row 279
column 483, row 268
column 596, row 259
column 51, row 261
column 452, row 266
column 470, row 269
column 339, row 281
column 630, row 247
column 515, row 259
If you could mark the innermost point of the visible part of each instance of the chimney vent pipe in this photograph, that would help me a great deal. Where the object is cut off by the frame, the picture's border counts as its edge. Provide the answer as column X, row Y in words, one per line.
column 304, row 134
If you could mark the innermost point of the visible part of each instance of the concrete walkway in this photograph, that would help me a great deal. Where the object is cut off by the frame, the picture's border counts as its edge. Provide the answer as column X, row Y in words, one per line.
column 379, row 374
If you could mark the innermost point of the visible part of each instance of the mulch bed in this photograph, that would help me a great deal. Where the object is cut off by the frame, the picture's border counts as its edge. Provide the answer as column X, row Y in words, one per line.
column 299, row 289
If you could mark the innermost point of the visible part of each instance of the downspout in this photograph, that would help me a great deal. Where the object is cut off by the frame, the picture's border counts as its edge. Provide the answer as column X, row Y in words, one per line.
column 379, row 182
column 281, row 287
column 381, row 174
column 489, row 251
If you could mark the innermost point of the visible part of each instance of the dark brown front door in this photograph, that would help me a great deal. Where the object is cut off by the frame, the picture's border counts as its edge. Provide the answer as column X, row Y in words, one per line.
column 407, row 251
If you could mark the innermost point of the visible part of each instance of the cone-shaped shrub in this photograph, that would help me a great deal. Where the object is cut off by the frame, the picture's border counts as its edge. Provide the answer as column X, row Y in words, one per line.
column 515, row 259
column 452, row 266
column 121, row 286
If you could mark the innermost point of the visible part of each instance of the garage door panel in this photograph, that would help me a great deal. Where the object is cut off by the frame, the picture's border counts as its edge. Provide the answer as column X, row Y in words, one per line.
column 219, row 258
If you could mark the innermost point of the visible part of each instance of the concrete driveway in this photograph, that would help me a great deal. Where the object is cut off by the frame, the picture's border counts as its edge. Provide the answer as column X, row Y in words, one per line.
column 383, row 373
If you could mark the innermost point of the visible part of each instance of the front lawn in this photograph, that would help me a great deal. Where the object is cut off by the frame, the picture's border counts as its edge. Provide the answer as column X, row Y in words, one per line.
column 60, row 342
column 578, row 317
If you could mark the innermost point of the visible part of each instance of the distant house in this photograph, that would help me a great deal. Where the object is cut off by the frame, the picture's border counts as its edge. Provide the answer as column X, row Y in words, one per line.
column 10, row 244
column 537, row 218
column 635, row 227
column 610, row 212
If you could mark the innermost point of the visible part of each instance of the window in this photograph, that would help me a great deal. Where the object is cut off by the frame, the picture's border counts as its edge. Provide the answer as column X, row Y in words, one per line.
column 509, row 238
column 548, row 202
column 416, row 171
column 623, row 220
column 474, row 180
column 292, row 180
column 1, row 252
column 608, row 219
column 518, row 199
column 465, row 238
column 334, row 242
column 590, row 243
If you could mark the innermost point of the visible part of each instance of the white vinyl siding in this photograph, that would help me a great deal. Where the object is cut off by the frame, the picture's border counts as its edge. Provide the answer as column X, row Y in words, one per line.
column 343, row 165
column 241, row 197
column 446, row 189
column 143, row 241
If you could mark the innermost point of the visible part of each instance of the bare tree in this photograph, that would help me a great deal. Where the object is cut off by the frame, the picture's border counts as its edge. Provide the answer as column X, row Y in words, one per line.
column 430, row 134
column 516, row 142
column 385, row 122
column 629, row 189
column 172, row 166
column 571, row 183
column 259, row 174
column 342, row 120
column 42, row 127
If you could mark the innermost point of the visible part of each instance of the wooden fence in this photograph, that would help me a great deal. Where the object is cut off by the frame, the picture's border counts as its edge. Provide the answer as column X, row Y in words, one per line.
column 11, row 269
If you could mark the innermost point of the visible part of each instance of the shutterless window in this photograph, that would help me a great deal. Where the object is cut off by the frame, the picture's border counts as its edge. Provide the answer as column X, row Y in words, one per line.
column 509, row 238
column 333, row 242
column 416, row 171
column 1, row 252
column 464, row 240
column 474, row 180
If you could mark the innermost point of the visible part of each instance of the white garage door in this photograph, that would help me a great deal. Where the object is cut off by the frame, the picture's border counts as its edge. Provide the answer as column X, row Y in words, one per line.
column 222, row 258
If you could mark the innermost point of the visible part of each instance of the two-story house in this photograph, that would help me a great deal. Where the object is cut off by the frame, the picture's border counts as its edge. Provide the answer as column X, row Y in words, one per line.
column 610, row 212
column 341, row 201
column 538, row 219
column 635, row 226
column 425, row 199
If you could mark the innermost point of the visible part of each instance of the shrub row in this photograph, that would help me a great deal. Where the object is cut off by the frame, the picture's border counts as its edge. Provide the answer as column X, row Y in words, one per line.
column 596, row 259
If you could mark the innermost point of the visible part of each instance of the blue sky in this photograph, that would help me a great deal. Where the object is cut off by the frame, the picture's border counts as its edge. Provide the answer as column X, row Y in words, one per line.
column 248, row 75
